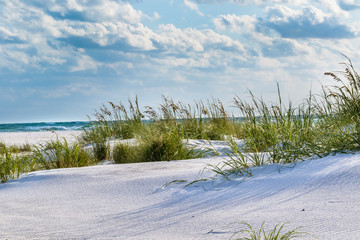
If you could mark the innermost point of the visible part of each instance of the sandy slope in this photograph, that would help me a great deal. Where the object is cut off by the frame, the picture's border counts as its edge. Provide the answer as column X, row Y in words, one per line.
column 128, row 201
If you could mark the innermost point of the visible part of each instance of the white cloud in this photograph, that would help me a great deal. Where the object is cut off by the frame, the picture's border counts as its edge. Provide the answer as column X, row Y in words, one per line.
column 110, row 10
column 179, row 78
column 156, row 15
column 193, row 6
column 109, row 33
column 51, row 25
column 64, row 42
column 274, row 36
column 6, row 33
column 349, row 5
column 189, row 40
column 244, row 25
column 83, row 37
column 256, row 2
column 333, row 7
column 85, row 89
column 93, row 10
column 84, row 63
column 74, row 5
column 306, row 22
column 268, row 63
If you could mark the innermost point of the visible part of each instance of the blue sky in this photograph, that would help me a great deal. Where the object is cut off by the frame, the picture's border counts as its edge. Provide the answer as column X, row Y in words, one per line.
column 60, row 59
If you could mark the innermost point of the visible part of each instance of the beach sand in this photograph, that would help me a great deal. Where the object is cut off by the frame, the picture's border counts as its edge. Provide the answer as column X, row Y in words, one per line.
column 129, row 201
column 20, row 138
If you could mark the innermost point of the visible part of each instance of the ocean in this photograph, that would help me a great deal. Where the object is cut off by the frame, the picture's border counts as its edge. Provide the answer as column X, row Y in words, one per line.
column 44, row 126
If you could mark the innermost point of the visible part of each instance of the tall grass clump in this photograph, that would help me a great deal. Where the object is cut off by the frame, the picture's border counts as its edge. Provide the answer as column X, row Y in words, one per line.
column 208, row 120
column 154, row 145
column 12, row 165
column 345, row 95
column 15, row 148
column 343, row 109
column 114, row 121
column 275, row 133
column 286, row 133
column 2, row 148
column 276, row 233
column 60, row 154
column 100, row 150
column 198, row 121
column 125, row 153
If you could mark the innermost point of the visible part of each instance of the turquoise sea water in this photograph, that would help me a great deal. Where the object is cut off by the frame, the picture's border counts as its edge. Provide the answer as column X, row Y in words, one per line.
column 43, row 126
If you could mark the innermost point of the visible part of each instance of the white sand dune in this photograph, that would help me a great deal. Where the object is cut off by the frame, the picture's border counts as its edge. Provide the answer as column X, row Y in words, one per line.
column 128, row 201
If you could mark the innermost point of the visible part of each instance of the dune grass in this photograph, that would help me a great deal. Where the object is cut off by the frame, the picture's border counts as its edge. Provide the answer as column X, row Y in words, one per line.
column 114, row 121
column 60, row 154
column 321, row 125
column 12, row 165
column 324, row 124
column 276, row 233
column 15, row 148
column 198, row 121
column 53, row 154
column 154, row 145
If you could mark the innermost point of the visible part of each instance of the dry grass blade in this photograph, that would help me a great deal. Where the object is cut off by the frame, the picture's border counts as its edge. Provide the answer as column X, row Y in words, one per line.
column 276, row 233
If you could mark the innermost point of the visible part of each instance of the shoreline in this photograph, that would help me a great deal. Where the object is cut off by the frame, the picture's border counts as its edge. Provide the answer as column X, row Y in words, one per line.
column 34, row 138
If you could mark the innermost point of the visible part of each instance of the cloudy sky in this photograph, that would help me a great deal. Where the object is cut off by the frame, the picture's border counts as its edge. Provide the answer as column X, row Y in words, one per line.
column 60, row 59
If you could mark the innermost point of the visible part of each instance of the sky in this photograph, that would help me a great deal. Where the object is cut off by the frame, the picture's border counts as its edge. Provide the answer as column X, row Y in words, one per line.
column 61, row 59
